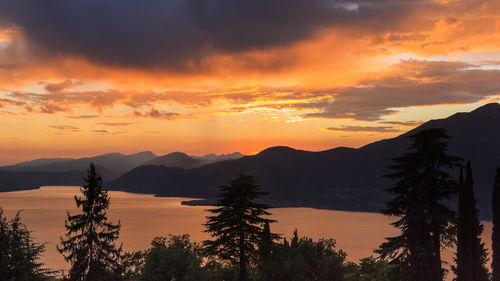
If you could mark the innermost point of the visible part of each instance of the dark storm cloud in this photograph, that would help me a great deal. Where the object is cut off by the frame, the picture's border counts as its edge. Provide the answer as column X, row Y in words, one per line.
column 180, row 34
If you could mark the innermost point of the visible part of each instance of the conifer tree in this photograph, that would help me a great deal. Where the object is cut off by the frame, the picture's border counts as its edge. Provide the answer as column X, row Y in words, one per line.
column 267, row 252
column 425, row 222
column 4, row 246
column 236, row 225
column 495, row 265
column 90, row 241
column 19, row 254
column 471, row 256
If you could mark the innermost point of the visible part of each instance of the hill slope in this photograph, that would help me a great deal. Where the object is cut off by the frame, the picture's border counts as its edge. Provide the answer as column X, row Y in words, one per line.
column 110, row 165
column 340, row 178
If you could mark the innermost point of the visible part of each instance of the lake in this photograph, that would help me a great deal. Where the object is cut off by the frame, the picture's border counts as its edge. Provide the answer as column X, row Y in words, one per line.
column 144, row 217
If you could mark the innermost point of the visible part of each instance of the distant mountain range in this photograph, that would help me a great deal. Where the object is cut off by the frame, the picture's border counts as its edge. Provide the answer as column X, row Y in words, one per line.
column 339, row 178
column 182, row 160
column 69, row 171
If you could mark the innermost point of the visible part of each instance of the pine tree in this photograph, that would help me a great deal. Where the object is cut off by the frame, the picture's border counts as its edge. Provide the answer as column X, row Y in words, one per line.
column 425, row 222
column 495, row 265
column 236, row 225
column 19, row 254
column 471, row 256
column 89, row 243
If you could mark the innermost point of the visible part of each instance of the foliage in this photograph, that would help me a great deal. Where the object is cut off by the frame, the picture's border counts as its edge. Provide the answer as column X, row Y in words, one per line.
column 425, row 221
column 305, row 260
column 471, row 255
column 89, row 243
column 173, row 258
column 236, row 225
column 19, row 254
column 371, row 269
column 495, row 265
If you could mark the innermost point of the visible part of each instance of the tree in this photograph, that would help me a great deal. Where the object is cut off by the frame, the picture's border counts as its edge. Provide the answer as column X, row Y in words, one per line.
column 236, row 225
column 19, row 254
column 372, row 269
column 495, row 265
column 267, row 254
column 425, row 222
column 471, row 256
column 173, row 258
column 4, row 247
column 89, row 243
column 308, row 260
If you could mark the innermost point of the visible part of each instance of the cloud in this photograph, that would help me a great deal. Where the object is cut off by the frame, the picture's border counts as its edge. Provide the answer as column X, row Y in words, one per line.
column 65, row 128
column 378, row 129
column 405, row 84
column 4, row 102
column 59, row 87
column 116, row 124
column 106, row 132
column 62, row 101
column 51, row 107
column 409, row 83
column 83, row 116
column 182, row 34
column 403, row 123
column 156, row 114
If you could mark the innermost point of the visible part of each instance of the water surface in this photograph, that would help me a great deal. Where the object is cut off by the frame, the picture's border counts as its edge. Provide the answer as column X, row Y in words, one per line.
column 144, row 217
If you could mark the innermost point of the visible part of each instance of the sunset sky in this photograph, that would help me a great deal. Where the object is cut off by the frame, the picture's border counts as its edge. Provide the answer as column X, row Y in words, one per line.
column 85, row 77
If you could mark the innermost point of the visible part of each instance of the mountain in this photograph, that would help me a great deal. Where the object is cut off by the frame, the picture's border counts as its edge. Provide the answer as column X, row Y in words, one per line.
column 184, row 161
column 179, row 160
column 110, row 165
column 340, row 178
column 38, row 162
column 220, row 157
column 11, row 181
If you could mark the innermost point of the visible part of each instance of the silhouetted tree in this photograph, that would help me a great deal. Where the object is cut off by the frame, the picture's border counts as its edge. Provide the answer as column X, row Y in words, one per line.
column 372, row 269
column 89, row 244
column 425, row 222
column 308, row 260
column 173, row 258
column 267, row 253
column 4, row 246
column 471, row 256
column 495, row 265
column 237, row 223
column 19, row 254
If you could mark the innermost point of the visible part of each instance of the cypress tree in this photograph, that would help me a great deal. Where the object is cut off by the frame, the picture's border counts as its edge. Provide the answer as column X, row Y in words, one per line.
column 495, row 265
column 425, row 222
column 89, row 243
column 267, row 253
column 471, row 256
column 236, row 225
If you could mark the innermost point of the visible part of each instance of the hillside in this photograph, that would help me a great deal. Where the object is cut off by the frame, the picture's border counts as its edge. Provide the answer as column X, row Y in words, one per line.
column 110, row 165
column 340, row 178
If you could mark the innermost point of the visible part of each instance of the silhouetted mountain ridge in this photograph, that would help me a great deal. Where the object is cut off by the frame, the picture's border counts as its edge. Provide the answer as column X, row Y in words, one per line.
column 110, row 165
column 339, row 178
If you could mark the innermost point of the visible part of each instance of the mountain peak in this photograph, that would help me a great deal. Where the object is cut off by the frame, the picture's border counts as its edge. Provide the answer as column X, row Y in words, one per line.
column 147, row 153
column 276, row 149
column 490, row 108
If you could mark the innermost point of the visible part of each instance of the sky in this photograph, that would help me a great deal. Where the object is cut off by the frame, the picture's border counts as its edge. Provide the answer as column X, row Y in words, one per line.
column 85, row 77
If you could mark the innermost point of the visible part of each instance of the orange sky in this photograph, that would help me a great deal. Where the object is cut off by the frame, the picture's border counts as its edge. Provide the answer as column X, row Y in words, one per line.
column 205, row 78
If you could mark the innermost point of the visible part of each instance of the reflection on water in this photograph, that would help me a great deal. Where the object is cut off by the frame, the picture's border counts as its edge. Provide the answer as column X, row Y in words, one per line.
column 144, row 217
